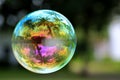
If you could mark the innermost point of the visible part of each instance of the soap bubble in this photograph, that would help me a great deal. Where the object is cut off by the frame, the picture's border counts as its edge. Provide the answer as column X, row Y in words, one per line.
column 44, row 41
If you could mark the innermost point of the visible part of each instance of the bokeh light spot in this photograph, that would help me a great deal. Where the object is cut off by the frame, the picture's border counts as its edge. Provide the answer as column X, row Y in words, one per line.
column 1, row 20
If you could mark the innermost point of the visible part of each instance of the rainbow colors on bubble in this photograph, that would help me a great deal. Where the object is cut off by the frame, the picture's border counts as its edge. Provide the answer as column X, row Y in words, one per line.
column 44, row 41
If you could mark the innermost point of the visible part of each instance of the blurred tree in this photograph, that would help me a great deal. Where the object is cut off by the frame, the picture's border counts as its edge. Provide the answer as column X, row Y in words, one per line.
column 90, row 14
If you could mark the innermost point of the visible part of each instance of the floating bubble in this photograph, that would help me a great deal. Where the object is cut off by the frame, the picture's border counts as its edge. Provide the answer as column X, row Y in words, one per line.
column 44, row 41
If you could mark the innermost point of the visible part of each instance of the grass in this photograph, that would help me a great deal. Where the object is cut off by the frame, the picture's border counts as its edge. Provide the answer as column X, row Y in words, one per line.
column 94, row 68
column 108, row 67
column 21, row 74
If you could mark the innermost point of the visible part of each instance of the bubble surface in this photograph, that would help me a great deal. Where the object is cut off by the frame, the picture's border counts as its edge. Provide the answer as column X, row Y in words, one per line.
column 44, row 41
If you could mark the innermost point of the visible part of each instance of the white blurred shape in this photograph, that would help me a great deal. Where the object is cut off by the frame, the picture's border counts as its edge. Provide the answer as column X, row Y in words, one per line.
column 101, row 50
column 114, row 35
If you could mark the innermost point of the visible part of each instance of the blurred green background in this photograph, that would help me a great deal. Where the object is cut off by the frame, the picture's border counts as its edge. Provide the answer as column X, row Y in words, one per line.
column 97, row 26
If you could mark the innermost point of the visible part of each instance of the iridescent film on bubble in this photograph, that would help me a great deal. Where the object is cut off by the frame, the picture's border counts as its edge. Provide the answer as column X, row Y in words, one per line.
column 44, row 41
